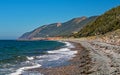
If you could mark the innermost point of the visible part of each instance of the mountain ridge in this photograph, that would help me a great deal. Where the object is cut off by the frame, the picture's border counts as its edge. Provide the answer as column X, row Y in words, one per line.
column 58, row 29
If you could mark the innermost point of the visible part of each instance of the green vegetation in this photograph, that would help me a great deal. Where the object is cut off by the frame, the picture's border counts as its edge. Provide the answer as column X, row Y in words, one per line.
column 79, row 27
column 107, row 22
column 59, row 29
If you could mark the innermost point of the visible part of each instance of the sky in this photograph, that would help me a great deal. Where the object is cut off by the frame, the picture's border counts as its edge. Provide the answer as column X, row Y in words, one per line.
column 20, row 16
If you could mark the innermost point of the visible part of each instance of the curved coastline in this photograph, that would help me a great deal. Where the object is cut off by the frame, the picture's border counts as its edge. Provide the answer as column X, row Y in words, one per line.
column 79, row 63
column 64, row 53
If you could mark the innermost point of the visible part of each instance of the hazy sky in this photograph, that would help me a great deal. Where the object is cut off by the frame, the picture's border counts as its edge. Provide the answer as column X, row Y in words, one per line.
column 20, row 16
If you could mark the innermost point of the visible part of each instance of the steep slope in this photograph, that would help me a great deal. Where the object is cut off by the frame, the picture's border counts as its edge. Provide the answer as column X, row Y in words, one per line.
column 58, row 29
column 107, row 22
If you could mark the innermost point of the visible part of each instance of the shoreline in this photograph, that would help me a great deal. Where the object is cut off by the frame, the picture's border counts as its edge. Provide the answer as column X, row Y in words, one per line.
column 93, row 58
column 64, row 53
column 79, row 64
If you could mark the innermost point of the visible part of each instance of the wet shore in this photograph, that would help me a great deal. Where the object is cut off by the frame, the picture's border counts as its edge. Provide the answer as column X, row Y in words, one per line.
column 80, row 64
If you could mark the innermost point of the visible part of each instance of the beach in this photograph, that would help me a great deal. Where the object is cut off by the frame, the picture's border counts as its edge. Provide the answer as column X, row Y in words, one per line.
column 92, row 58
column 80, row 64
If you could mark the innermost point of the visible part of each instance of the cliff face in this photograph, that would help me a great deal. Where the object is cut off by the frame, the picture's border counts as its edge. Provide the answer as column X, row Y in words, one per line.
column 58, row 29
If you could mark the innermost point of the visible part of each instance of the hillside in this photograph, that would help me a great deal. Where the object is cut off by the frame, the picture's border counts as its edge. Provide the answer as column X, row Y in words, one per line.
column 59, row 29
column 107, row 22
column 111, row 37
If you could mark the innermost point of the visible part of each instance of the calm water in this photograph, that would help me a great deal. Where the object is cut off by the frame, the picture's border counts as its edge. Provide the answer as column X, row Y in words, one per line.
column 17, row 56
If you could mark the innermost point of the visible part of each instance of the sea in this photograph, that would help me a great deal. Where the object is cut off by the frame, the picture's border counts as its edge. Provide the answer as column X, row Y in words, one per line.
column 17, row 57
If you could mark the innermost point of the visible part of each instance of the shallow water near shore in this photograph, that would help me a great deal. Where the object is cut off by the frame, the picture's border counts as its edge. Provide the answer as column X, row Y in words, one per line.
column 18, row 56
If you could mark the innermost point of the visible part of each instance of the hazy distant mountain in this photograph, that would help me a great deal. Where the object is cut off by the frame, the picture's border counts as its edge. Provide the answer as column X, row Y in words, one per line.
column 107, row 22
column 59, row 29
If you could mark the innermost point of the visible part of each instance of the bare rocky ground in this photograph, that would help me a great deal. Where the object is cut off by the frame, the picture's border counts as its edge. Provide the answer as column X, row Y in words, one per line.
column 104, row 52
column 94, row 57
column 105, row 57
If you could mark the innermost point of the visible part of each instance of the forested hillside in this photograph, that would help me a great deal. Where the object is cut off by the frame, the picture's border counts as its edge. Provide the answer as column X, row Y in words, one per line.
column 107, row 22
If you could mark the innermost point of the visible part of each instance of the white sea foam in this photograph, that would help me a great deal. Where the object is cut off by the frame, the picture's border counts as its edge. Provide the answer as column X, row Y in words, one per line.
column 65, row 50
column 49, row 57
column 20, row 70
column 69, row 45
column 30, row 58
column 63, row 53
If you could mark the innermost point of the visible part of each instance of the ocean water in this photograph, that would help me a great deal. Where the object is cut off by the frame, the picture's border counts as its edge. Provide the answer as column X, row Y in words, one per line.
column 16, row 57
